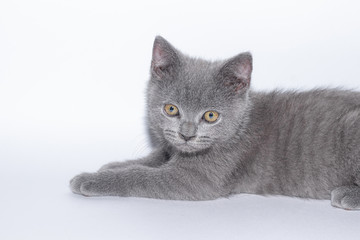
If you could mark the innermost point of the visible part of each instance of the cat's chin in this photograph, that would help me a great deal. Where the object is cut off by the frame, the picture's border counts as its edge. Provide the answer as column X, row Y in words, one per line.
column 188, row 148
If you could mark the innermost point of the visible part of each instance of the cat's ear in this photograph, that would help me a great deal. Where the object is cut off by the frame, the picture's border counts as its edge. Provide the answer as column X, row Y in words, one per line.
column 164, row 58
column 235, row 74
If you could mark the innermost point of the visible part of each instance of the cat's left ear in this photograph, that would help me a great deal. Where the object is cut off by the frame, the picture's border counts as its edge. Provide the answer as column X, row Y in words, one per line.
column 235, row 74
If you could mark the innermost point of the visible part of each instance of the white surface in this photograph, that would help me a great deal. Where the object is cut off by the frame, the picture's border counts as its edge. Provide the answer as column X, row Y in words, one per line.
column 72, row 82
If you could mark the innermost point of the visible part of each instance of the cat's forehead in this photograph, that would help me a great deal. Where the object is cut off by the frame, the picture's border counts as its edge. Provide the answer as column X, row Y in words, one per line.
column 197, row 70
column 195, row 86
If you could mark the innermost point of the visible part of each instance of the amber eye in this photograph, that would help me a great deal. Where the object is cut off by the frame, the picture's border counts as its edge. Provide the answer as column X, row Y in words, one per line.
column 211, row 116
column 171, row 110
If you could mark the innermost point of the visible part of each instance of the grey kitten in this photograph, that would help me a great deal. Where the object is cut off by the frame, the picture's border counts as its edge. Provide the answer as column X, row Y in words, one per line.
column 214, row 137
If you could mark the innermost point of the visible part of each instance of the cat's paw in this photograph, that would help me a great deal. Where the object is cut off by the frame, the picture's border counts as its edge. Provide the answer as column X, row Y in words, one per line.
column 346, row 197
column 77, row 181
column 88, row 184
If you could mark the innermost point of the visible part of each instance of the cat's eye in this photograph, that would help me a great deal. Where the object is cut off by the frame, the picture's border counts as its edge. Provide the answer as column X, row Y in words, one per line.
column 211, row 116
column 171, row 110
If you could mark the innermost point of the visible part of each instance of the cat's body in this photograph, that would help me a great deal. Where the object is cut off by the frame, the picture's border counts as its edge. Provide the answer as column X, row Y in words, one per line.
column 214, row 137
column 302, row 144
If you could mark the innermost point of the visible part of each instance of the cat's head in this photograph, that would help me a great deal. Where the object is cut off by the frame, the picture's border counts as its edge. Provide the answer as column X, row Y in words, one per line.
column 195, row 104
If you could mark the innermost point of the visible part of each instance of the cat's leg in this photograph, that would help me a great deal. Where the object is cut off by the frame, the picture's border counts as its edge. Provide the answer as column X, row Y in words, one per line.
column 346, row 197
column 166, row 182
column 154, row 159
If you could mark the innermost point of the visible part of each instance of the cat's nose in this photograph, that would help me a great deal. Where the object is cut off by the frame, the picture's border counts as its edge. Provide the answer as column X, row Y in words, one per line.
column 186, row 138
column 187, row 130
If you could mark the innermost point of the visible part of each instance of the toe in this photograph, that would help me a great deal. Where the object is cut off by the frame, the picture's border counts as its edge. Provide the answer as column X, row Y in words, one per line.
column 78, row 180
column 350, row 202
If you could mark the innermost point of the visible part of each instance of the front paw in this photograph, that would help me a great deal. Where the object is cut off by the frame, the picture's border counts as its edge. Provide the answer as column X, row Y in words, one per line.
column 346, row 197
column 88, row 184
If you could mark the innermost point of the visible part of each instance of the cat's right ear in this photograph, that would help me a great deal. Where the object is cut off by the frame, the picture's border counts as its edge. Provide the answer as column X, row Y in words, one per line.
column 164, row 58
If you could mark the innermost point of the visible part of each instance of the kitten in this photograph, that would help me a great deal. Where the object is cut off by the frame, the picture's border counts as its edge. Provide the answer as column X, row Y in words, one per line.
column 214, row 137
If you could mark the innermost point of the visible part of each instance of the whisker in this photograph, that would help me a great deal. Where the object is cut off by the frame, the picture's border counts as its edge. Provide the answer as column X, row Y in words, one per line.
column 204, row 137
column 170, row 135
column 167, row 130
column 142, row 146
column 201, row 144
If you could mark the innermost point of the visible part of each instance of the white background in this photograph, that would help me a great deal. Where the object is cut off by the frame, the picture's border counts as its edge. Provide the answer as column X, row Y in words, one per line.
column 72, row 81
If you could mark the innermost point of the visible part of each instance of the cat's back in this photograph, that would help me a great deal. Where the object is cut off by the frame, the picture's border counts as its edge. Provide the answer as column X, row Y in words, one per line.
column 314, row 114
column 297, row 101
column 318, row 107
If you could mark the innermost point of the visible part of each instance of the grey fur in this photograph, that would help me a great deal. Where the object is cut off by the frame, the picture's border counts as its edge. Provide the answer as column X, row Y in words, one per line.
column 300, row 144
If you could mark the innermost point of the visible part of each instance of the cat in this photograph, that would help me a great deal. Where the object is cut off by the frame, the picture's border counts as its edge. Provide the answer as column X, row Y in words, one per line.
column 213, row 137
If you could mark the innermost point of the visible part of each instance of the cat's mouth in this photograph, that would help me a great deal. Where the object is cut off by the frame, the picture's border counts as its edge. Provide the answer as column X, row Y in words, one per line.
column 186, row 147
column 193, row 145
